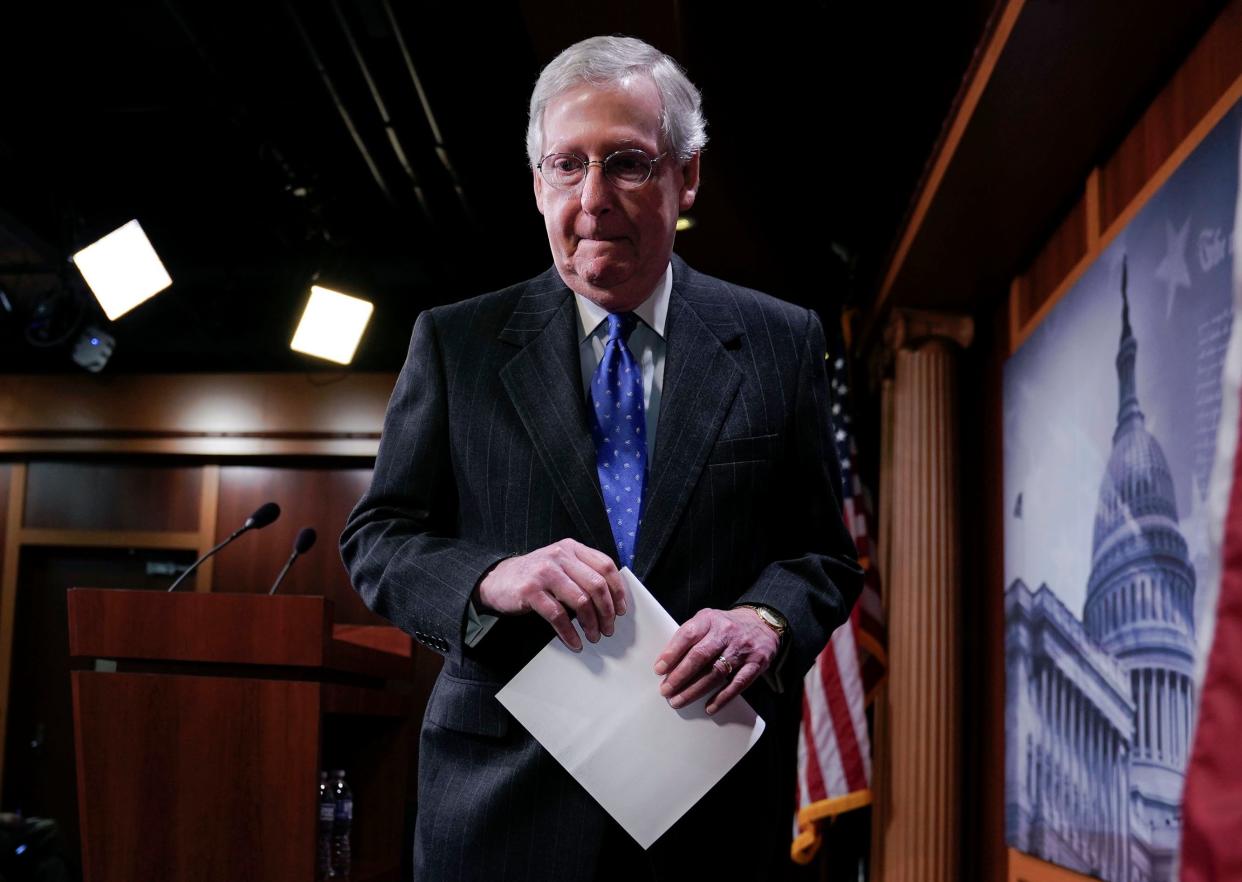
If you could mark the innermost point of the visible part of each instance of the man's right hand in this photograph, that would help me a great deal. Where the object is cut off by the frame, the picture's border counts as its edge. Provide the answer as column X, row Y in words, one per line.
column 553, row 581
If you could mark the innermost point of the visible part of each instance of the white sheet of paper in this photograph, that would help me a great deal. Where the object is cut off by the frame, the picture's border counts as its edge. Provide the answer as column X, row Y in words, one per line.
column 601, row 715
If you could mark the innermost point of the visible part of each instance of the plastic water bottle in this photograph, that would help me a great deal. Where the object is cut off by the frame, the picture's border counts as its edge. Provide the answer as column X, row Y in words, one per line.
column 327, row 818
column 342, row 820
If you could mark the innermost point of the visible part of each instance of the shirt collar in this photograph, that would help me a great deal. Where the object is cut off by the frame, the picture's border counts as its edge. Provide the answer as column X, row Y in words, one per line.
column 653, row 311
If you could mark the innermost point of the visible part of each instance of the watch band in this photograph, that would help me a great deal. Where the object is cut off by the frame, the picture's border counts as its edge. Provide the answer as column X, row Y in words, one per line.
column 771, row 617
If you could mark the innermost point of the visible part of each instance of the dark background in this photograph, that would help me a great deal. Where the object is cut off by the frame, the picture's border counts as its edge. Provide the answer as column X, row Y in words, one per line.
column 212, row 124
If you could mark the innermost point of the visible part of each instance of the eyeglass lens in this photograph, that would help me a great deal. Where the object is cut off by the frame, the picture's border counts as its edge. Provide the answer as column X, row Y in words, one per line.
column 625, row 168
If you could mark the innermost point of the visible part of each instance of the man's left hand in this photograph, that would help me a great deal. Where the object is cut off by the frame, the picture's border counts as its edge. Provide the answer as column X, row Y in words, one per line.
column 716, row 648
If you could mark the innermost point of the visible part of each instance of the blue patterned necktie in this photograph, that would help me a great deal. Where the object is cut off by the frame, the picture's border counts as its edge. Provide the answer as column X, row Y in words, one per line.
column 618, row 424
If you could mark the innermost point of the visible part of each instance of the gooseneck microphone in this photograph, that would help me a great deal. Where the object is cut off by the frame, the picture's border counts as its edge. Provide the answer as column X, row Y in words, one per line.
column 263, row 515
column 303, row 543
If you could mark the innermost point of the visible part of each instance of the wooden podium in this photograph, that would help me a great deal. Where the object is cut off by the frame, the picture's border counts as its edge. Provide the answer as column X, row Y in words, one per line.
column 201, row 722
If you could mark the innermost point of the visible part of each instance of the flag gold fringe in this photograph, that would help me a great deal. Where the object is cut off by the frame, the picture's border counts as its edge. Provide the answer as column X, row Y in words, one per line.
column 806, row 843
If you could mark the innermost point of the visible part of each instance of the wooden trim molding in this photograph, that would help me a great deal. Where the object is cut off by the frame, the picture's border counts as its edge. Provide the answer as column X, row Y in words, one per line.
column 110, row 539
column 1092, row 199
column 206, row 446
column 1017, row 293
column 207, row 512
column 1024, row 868
column 909, row 328
column 209, row 415
column 8, row 594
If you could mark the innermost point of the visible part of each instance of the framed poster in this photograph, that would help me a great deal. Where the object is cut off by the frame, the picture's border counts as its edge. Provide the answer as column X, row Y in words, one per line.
column 1111, row 408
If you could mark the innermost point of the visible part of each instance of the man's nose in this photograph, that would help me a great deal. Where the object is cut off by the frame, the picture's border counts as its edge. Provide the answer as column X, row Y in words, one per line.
column 597, row 193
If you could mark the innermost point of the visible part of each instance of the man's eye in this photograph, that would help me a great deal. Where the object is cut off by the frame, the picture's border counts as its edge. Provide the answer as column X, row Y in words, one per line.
column 566, row 164
column 626, row 164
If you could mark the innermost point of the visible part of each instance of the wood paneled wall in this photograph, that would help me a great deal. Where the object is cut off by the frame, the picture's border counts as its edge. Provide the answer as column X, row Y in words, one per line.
column 1170, row 122
column 1198, row 94
column 163, row 468
column 112, row 496
column 309, row 497
column 1060, row 254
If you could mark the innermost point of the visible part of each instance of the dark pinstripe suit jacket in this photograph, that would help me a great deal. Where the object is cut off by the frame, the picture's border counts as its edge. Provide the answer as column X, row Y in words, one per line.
column 486, row 453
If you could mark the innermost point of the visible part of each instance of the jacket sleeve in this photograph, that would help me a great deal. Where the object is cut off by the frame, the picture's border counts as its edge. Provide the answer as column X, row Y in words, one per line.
column 815, row 579
column 399, row 543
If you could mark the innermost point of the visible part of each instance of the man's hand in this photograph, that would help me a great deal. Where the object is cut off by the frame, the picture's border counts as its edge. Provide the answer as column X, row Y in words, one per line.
column 716, row 648
column 554, row 580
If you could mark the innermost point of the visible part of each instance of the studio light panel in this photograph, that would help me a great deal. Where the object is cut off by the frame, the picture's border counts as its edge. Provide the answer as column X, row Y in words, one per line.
column 122, row 270
column 331, row 325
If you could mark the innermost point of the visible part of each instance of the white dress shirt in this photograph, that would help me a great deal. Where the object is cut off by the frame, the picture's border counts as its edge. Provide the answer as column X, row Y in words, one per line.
column 646, row 343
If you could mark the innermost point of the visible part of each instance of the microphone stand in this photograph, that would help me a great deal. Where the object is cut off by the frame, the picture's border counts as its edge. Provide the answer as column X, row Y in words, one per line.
column 194, row 566
column 280, row 578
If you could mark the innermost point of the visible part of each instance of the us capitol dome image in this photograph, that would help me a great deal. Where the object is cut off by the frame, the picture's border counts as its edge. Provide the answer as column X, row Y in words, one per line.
column 1099, row 710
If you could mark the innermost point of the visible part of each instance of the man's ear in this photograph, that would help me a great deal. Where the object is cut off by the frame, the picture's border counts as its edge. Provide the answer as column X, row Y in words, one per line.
column 537, row 183
column 690, row 183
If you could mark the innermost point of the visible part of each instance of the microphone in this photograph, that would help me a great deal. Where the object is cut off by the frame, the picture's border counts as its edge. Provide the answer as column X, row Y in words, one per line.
column 303, row 543
column 263, row 515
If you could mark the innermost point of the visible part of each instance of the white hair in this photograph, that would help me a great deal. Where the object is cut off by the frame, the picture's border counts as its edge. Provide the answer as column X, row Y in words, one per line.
column 606, row 62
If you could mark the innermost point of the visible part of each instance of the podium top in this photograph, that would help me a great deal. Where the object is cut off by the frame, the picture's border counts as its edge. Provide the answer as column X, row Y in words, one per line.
column 247, row 629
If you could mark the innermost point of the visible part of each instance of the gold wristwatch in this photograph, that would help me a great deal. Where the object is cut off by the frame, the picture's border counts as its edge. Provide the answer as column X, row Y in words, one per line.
column 771, row 618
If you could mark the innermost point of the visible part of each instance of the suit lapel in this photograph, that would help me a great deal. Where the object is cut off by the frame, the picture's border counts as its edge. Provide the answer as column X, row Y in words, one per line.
column 700, row 381
column 545, row 385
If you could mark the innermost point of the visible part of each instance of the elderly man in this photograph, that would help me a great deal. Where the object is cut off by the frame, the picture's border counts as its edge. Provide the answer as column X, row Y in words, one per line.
column 619, row 410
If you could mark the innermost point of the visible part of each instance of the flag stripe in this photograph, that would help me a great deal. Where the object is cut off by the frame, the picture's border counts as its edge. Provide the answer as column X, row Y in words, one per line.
column 847, row 654
column 815, row 790
column 824, row 741
column 841, row 719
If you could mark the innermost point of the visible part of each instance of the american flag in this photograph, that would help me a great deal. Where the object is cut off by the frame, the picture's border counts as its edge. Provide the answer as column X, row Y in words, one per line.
column 834, row 749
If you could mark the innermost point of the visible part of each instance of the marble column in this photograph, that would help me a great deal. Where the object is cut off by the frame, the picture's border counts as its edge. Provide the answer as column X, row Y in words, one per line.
column 1148, row 728
column 1106, row 803
column 1121, row 785
column 1045, row 725
column 1183, row 737
column 1075, row 755
column 1183, row 716
column 1149, row 676
column 1175, row 719
column 1188, row 715
column 1140, row 713
column 1166, row 714
column 1058, row 747
column 918, row 832
column 1181, row 720
column 1123, row 802
column 1162, row 730
column 1162, row 696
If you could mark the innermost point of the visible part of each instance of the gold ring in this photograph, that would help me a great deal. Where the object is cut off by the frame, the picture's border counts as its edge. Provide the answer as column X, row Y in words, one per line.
column 723, row 665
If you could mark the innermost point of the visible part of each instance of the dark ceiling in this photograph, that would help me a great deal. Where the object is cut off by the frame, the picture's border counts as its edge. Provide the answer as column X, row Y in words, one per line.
column 247, row 140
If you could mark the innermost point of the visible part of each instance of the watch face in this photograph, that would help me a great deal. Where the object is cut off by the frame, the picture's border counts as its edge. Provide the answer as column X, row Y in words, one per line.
column 770, row 617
